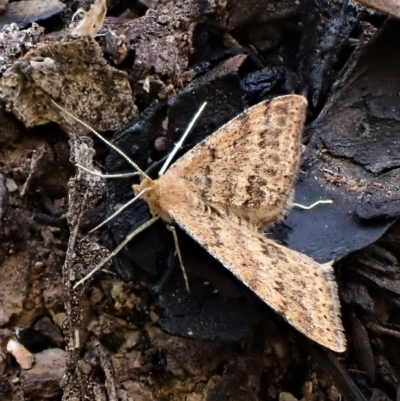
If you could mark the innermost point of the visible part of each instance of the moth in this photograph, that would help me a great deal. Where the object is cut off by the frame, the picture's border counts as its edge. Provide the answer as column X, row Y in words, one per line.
column 228, row 190
column 92, row 20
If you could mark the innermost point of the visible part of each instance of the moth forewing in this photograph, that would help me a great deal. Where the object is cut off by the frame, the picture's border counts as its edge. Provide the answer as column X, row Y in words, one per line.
column 249, row 166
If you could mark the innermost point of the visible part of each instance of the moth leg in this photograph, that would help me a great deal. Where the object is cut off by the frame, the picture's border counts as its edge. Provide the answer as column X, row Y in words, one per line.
column 123, row 207
column 178, row 252
column 117, row 249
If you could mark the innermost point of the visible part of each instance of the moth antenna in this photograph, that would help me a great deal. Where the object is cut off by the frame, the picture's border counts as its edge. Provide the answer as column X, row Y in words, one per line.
column 112, row 146
column 180, row 142
column 320, row 202
column 126, row 175
column 118, row 249
column 123, row 207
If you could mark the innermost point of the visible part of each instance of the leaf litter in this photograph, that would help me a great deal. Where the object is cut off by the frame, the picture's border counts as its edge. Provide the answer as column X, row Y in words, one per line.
column 108, row 329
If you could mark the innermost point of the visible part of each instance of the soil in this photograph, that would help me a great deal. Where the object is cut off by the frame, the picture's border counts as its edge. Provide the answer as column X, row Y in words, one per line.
column 133, row 331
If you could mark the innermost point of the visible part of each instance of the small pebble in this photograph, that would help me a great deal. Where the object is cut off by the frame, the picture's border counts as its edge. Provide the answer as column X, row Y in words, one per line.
column 24, row 358
column 287, row 397
column 307, row 388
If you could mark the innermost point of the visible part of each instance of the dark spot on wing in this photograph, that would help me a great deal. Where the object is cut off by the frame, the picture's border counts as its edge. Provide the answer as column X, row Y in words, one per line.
column 213, row 153
column 257, row 195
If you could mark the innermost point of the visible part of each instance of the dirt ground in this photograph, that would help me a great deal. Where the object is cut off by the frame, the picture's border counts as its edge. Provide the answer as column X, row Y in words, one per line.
column 133, row 332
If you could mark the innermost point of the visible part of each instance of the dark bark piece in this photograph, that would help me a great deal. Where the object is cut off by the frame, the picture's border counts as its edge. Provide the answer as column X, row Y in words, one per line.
column 327, row 29
column 161, row 40
column 23, row 13
column 263, row 83
column 361, row 346
column 387, row 283
column 378, row 395
column 232, row 64
column 82, row 255
column 327, row 361
column 364, row 204
column 33, row 340
column 380, row 266
column 108, row 369
column 356, row 294
column 249, row 12
column 205, row 314
column 386, row 372
column 46, row 326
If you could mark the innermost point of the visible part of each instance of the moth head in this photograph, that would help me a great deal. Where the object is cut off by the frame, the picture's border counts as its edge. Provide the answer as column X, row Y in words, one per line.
column 147, row 185
column 149, row 192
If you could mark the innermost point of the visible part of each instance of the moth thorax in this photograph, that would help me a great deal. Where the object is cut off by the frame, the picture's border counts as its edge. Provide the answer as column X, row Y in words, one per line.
column 152, row 197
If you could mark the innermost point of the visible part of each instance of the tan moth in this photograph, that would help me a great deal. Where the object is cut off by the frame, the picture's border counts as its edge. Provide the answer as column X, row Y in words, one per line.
column 232, row 186
column 92, row 20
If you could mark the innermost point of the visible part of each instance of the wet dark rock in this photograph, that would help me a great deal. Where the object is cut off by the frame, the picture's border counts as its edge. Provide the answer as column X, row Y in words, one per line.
column 34, row 340
column 44, row 379
column 338, row 162
column 24, row 13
